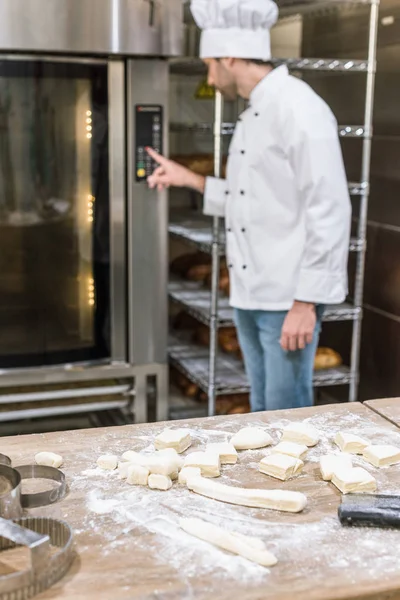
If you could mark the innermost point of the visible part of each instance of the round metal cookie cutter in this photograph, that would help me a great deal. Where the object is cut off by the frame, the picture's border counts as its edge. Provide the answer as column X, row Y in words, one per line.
column 5, row 460
column 37, row 534
column 42, row 498
column 10, row 493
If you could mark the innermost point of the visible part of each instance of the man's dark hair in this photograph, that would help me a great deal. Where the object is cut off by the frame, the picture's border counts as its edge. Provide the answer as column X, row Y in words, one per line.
column 256, row 61
column 261, row 63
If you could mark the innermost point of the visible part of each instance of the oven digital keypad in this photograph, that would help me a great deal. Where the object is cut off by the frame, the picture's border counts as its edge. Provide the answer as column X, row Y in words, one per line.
column 149, row 132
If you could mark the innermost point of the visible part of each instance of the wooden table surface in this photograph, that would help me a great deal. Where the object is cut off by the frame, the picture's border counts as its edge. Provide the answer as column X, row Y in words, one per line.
column 130, row 547
column 389, row 408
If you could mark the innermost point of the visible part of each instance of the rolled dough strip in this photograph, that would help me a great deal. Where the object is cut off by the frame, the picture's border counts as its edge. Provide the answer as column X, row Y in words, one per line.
column 348, row 442
column 178, row 439
column 330, row 463
column 301, row 433
column 382, row 455
column 291, row 449
column 237, row 544
column 272, row 499
column 226, row 452
column 251, row 438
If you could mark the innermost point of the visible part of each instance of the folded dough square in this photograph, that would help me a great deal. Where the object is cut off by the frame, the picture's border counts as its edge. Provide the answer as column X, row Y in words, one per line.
column 208, row 463
column 330, row 463
column 290, row 448
column 354, row 480
column 301, row 433
column 178, row 439
column 381, row 455
column 226, row 452
column 280, row 466
column 348, row 442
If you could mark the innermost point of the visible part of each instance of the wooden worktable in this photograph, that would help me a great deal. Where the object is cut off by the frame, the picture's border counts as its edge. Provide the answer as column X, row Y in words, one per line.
column 389, row 408
column 130, row 547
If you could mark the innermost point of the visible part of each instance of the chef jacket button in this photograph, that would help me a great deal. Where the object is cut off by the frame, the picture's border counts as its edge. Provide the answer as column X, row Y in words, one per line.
column 256, row 114
column 244, row 267
column 226, row 192
column 229, row 230
column 230, row 266
column 240, row 119
column 242, row 192
column 242, row 151
column 243, row 230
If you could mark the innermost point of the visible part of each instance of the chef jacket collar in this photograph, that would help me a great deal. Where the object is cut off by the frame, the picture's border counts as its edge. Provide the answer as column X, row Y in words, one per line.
column 270, row 82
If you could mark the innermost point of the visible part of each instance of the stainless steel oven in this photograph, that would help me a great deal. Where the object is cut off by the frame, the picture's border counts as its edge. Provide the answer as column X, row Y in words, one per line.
column 83, row 242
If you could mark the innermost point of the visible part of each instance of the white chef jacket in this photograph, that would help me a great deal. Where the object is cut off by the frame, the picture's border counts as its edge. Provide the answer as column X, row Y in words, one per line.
column 285, row 200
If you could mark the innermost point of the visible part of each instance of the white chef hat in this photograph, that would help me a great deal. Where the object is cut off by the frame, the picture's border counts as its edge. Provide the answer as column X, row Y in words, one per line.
column 235, row 28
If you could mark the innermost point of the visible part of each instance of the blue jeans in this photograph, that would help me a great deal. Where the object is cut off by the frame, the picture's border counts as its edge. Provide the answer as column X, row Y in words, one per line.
column 278, row 379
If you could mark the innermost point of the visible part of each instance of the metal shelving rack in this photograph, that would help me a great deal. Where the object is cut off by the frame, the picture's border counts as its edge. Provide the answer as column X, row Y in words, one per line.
column 222, row 374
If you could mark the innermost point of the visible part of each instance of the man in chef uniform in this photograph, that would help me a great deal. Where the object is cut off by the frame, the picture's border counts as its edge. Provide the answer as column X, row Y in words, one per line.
column 285, row 201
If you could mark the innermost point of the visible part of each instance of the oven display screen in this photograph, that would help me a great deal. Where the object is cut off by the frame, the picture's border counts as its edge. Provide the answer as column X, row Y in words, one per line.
column 149, row 132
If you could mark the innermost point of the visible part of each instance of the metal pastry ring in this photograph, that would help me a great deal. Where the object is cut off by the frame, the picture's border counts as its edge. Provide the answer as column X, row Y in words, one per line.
column 5, row 460
column 47, row 497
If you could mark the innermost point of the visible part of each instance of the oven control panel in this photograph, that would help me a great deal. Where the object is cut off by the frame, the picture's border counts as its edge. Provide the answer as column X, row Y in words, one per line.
column 149, row 132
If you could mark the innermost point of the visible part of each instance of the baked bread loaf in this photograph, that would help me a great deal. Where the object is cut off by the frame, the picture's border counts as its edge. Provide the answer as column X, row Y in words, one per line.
column 186, row 262
column 227, row 338
column 326, row 358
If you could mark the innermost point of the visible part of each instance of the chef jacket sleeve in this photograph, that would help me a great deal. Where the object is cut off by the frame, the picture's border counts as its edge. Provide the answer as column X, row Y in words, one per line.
column 215, row 197
column 316, row 159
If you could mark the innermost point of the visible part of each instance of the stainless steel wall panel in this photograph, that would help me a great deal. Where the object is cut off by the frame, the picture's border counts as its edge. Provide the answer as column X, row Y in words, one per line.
column 127, row 27
column 148, row 83
column 117, row 169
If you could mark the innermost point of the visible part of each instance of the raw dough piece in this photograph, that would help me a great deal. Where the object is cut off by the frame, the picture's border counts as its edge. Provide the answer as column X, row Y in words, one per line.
column 132, row 456
column 49, row 459
column 227, row 540
column 300, row 433
column 251, row 438
column 207, row 462
column 178, row 439
column 330, row 463
column 226, row 451
column 291, row 449
column 172, row 455
column 157, row 463
column 272, row 499
column 123, row 467
column 355, row 480
column 188, row 472
column 348, row 442
column 381, row 455
column 108, row 462
column 137, row 475
column 280, row 466
column 160, row 482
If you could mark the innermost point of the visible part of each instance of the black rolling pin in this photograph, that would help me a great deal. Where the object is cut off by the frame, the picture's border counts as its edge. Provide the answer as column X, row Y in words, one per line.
column 370, row 510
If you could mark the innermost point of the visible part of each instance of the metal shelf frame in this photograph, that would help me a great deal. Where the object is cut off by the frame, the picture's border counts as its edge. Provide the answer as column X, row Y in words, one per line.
column 218, row 374
column 348, row 131
column 198, row 234
column 230, row 378
column 196, row 301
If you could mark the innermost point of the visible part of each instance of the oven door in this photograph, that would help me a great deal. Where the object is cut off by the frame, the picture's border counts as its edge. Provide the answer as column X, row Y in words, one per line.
column 62, row 212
